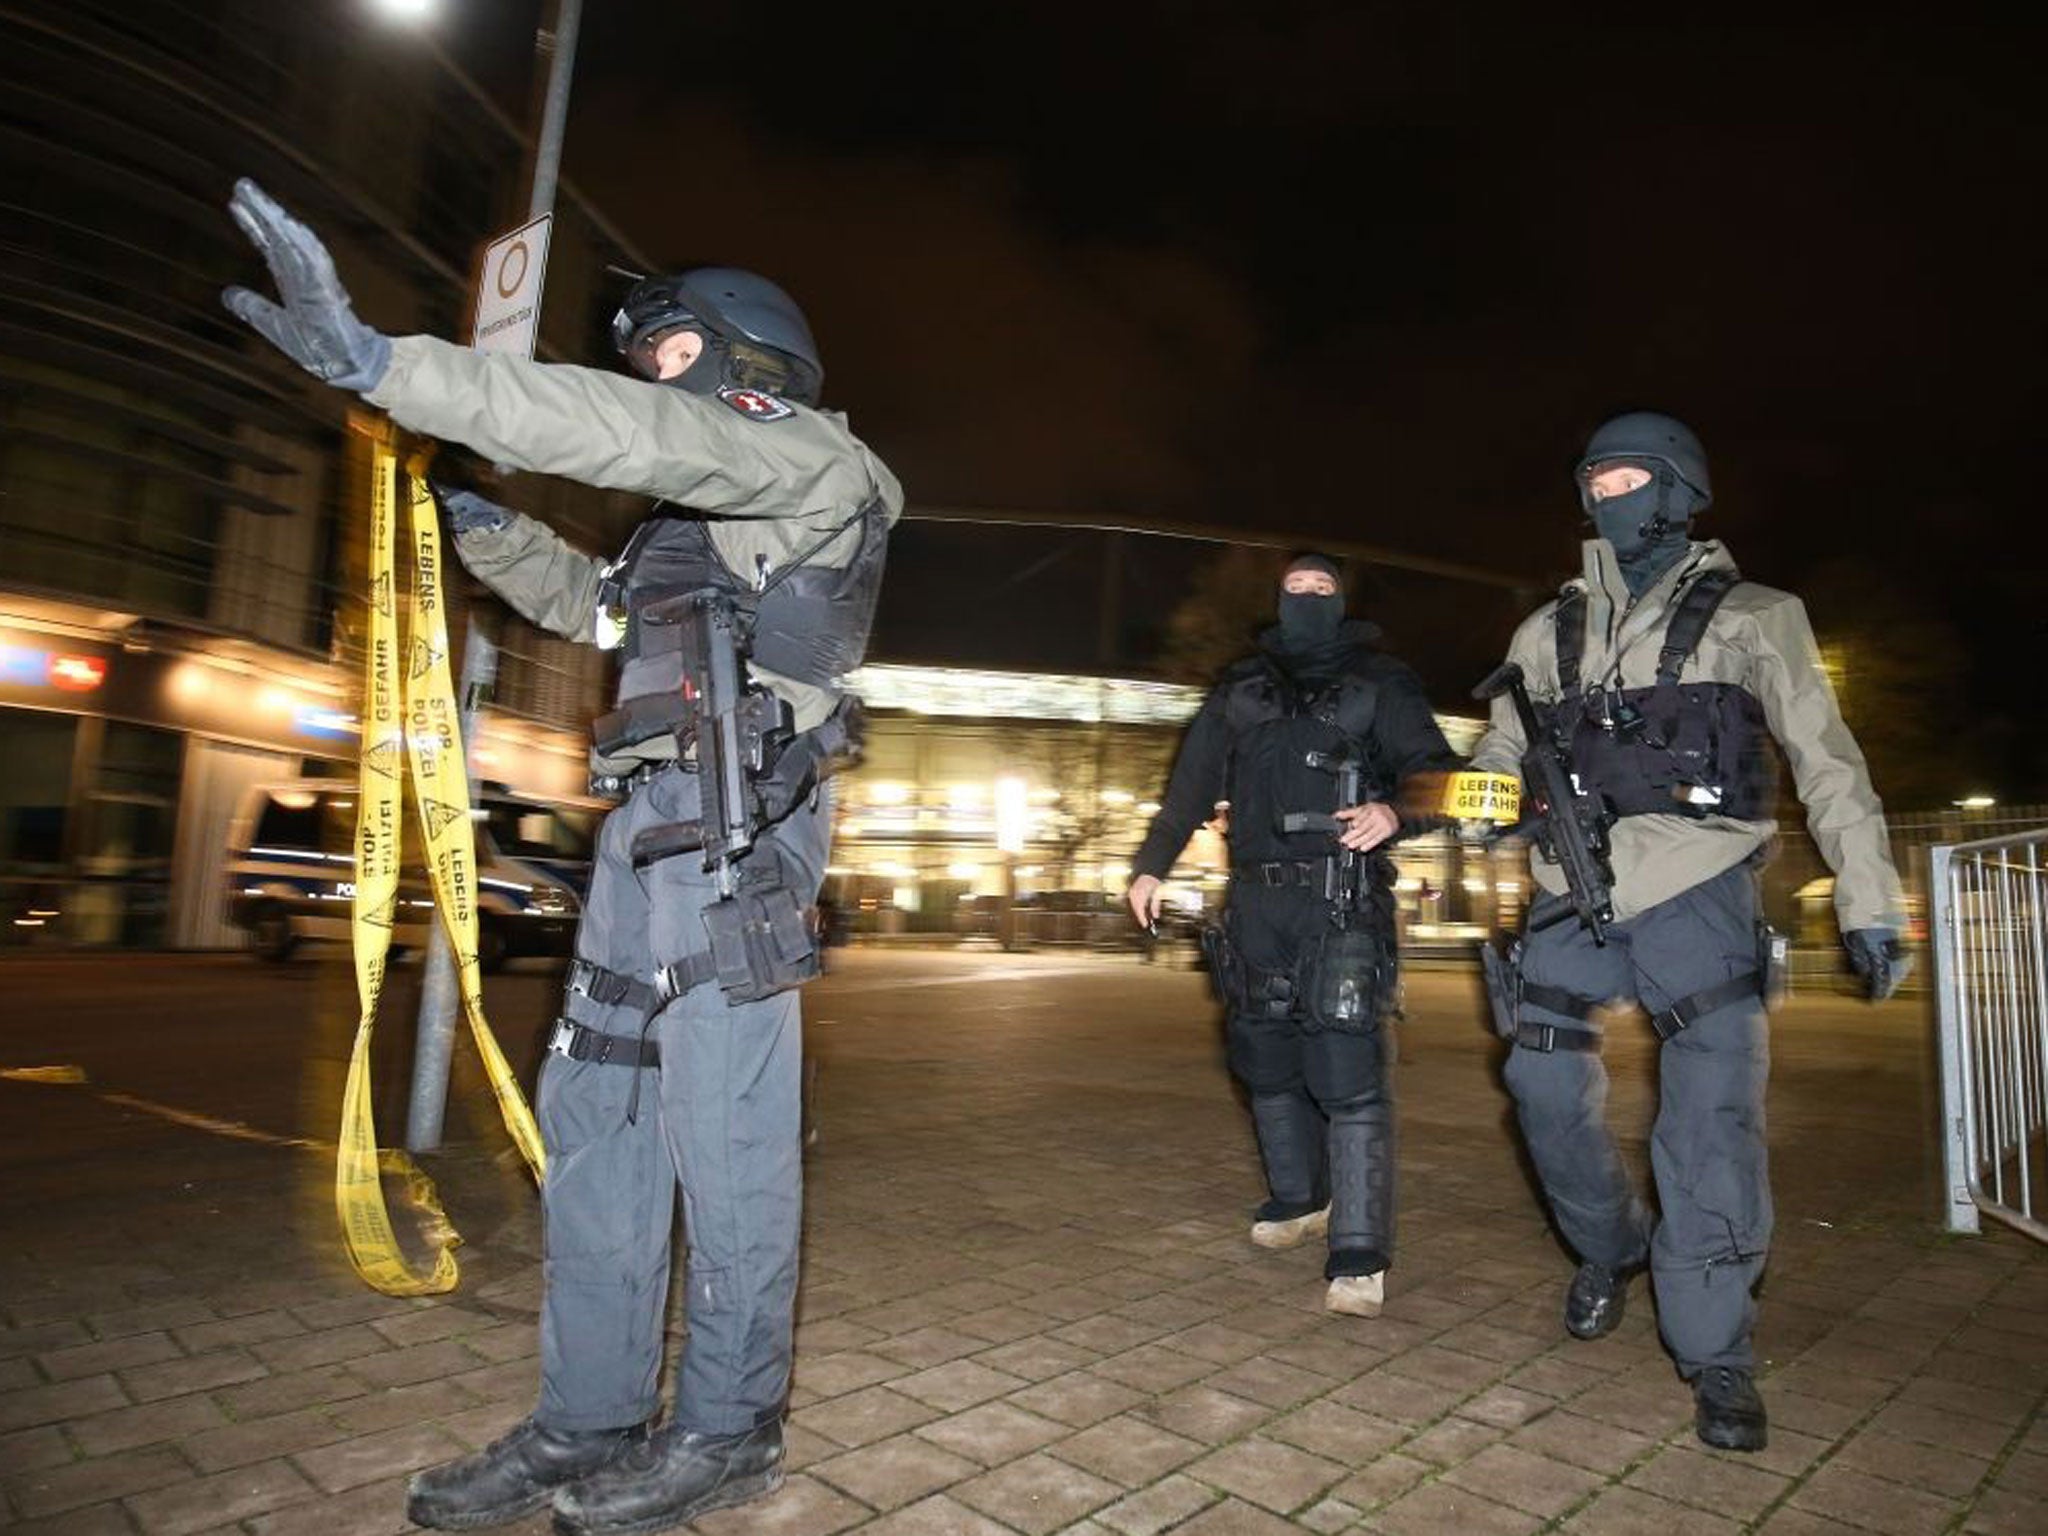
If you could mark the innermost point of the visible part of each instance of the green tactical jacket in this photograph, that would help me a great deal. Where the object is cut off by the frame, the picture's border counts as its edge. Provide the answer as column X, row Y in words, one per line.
column 1759, row 640
column 768, row 488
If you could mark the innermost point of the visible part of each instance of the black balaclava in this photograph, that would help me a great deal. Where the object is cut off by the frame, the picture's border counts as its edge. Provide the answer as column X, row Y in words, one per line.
column 1650, row 527
column 1310, row 620
column 704, row 375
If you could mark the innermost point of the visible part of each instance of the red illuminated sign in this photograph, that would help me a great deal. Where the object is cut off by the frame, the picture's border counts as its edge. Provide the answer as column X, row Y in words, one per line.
column 77, row 674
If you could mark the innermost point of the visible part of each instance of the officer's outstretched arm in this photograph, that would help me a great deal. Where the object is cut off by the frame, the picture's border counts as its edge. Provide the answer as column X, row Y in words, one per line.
column 543, row 578
column 1842, row 809
column 625, row 434
column 600, row 428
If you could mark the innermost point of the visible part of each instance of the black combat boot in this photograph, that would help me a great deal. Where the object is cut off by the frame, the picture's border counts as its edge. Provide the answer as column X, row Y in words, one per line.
column 1727, row 1412
column 1596, row 1300
column 512, row 1476
column 676, row 1476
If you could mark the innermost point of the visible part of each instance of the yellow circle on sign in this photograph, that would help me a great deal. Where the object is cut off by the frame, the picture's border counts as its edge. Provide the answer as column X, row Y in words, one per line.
column 1493, row 797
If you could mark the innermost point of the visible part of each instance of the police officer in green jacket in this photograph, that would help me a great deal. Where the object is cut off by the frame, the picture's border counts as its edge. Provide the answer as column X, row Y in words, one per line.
column 1667, row 676
column 672, row 1066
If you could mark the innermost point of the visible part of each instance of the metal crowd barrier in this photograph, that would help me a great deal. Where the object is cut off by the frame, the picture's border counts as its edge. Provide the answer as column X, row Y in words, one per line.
column 1988, row 922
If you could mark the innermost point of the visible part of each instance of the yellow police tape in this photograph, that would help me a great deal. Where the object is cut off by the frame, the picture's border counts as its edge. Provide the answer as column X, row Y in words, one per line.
column 1495, row 797
column 409, row 718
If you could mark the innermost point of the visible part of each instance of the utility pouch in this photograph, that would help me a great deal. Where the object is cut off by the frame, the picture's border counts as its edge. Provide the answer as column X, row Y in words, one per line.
column 762, row 943
column 1773, row 963
column 1226, row 965
column 1500, row 964
column 1343, row 981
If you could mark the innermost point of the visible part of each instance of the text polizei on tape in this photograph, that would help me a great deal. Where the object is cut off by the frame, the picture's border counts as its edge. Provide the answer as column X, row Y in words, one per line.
column 410, row 718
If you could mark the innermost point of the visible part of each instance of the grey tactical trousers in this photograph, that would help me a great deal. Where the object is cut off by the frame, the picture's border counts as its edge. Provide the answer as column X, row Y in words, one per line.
column 720, row 1121
column 1707, row 1148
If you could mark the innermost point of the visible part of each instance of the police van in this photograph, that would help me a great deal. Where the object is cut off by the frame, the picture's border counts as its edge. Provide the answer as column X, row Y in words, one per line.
column 290, row 871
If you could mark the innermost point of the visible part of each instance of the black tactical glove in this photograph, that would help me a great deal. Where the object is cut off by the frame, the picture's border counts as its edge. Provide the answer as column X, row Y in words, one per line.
column 314, row 326
column 467, row 512
column 1880, row 959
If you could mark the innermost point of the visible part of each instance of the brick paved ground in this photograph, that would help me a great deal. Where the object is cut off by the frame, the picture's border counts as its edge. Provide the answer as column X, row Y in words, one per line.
column 1029, row 1306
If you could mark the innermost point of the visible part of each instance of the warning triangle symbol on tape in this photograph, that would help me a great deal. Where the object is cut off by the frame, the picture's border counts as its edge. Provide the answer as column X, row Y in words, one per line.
column 382, row 914
column 383, row 758
column 439, row 813
column 424, row 656
column 380, row 593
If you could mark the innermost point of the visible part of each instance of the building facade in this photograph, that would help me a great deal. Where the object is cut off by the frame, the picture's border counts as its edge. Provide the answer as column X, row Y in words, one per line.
column 985, row 794
column 178, row 506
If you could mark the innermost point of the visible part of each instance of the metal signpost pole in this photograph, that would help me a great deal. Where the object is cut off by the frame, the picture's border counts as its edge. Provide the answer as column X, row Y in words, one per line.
column 439, row 993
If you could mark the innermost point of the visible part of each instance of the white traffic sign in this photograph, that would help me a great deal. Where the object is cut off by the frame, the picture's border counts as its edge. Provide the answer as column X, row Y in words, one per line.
column 508, row 294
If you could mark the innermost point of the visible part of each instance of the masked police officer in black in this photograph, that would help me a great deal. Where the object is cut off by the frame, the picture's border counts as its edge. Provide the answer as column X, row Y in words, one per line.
column 1304, row 958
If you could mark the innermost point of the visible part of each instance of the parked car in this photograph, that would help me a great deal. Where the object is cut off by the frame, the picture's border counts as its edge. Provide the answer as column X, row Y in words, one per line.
column 290, row 871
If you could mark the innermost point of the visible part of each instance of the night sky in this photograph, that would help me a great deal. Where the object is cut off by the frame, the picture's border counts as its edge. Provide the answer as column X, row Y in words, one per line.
column 1373, row 273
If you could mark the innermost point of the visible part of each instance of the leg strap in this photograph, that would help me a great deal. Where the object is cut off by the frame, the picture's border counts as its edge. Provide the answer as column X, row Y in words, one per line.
column 579, row 1042
column 1536, row 1035
column 1681, row 1014
column 613, row 989
column 1532, row 1036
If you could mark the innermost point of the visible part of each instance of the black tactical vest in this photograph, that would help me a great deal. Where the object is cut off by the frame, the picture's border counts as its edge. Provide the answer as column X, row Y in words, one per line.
column 808, row 623
column 1275, row 722
column 1672, row 749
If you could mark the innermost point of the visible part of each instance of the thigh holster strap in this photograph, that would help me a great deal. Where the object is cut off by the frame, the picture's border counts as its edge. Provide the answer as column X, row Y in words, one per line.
column 612, row 989
column 1538, row 1035
column 672, row 981
column 1681, row 1014
column 1531, row 1036
column 1557, row 1000
column 579, row 1042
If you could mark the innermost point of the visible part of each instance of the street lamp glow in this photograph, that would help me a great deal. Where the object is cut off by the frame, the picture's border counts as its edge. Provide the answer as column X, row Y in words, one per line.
column 409, row 11
column 1012, row 814
column 1976, row 802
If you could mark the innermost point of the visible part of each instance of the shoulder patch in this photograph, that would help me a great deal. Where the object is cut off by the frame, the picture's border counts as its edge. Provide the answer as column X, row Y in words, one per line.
column 756, row 404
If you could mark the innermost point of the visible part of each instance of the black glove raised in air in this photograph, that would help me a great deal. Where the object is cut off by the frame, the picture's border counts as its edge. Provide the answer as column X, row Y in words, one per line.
column 314, row 326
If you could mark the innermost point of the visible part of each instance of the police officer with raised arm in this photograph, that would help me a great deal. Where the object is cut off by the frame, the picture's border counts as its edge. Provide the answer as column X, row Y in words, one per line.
column 1664, row 676
column 1313, row 741
column 677, row 1063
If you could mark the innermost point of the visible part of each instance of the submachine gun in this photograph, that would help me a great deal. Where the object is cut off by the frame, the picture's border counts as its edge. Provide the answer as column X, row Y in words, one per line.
column 738, row 733
column 734, row 729
column 1347, row 869
column 1570, row 826
column 1347, row 975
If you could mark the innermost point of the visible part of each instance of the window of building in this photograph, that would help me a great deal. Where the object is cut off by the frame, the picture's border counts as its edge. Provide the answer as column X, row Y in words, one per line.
column 35, row 796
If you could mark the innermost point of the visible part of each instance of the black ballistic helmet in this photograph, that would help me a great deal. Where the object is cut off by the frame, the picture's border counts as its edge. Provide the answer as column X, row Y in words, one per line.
column 1661, row 444
column 760, row 337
